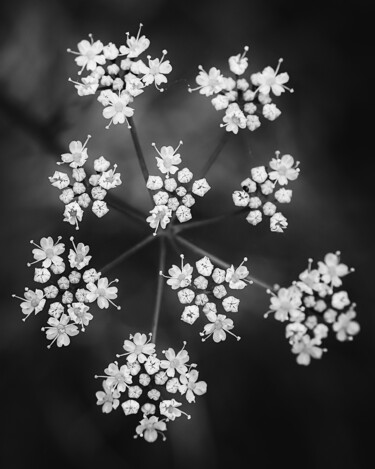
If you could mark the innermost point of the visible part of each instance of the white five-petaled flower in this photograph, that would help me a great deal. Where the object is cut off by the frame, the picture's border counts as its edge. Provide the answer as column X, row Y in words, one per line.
column 155, row 71
column 307, row 348
column 79, row 313
column 286, row 304
column 149, row 428
column 138, row 348
column 238, row 63
column 135, row 45
column 237, row 277
column 168, row 159
column 170, row 408
column 48, row 252
column 78, row 257
column 102, row 293
column 60, row 330
column 59, row 180
column 117, row 108
column 284, row 169
column 209, row 83
column 108, row 399
column 33, row 302
column 110, row 179
column 160, row 216
column 234, row 119
column 278, row 223
column 116, row 377
column 78, row 154
column 204, row 266
column 73, row 214
column 269, row 80
column 331, row 269
column 190, row 387
column 218, row 329
column 345, row 327
column 179, row 277
column 89, row 54
column 175, row 362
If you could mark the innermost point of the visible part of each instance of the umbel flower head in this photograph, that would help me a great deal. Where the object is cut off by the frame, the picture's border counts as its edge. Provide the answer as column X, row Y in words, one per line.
column 172, row 195
column 260, row 194
column 66, row 287
column 313, row 305
column 78, row 190
column 245, row 101
column 150, row 386
column 118, row 74
column 206, row 292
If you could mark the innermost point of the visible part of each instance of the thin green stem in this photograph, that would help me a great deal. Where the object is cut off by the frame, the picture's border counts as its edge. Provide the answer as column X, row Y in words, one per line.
column 214, row 155
column 160, row 288
column 218, row 261
column 139, row 152
column 127, row 254
column 207, row 221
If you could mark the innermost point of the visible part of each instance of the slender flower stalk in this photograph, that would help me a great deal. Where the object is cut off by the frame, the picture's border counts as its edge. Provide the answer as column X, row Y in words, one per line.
column 159, row 291
column 218, row 261
column 139, row 152
column 207, row 221
column 127, row 254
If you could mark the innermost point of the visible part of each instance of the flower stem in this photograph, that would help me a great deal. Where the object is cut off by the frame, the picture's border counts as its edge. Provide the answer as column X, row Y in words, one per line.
column 139, row 153
column 214, row 155
column 159, row 291
column 127, row 254
column 218, row 261
column 207, row 221
column 125, row 208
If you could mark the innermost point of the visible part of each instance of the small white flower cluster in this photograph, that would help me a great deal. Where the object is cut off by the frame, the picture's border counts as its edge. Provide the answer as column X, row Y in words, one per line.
column 258, row 191
column 173, row 196
column 73, row 191
column 148, row 383
column 243, row 101
column 68, row 291
column 312, row 305
column 118, row 74
column 207, row 292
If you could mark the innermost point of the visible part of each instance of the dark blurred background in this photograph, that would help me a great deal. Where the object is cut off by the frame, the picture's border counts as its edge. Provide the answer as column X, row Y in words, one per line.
column 261, row 409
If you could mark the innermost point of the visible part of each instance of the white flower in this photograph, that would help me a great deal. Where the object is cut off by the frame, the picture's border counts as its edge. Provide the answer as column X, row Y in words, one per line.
column 344, row 327
column 144, row 379
column 101, row 165
column 234, row 119
column 134, row 85
column 66, row 196
column 330, row 316
column 118, row 110
column 152, row 365
column 190, row 314
column 149, row 428
column 173, row 385
column 89, row 54
column 269, row 209
column 252, row 122
column 179, row 277
column 88, row 86
column 134, row 392
column 63, row 283
column 79, row 188
column 78, row 154
column 240, row 198
column 269, row 80
column 67, row 298
column 117, row 377
column 340, row 300
column 48, row 252
column 186, row 296
column 201, row 282
column 201, row 299
column 271, row 111
column 248, row 185
column 73, row 214
column 161, row 198
column 221, row 325
column 98, row 193
column 183, row 214
column 170, row 409
column 138, row 348
column 250, row 108
column 254, row 217
column 184, row 176
column 32, row 303
column 109, row 399
column 188, row 200
column 170, row 185
column 102, row 293
column 220, row 102
column 294, row 331
column 80, row 315
column 331, row 269
column 42, row 275
column 283, row 196
column 51, row 292
column 259, row 174
column 255, row 202
column 200, row 187
column 168, row 159
column 84, row 200
column 307, row 348
column 238, row 63
column 59, row 180
column 135, row 45
column 60, row 331
column 190, row 387
column 237, row 277
column 204, row 266
column 130, row 407
column 181, row 191
column 100, row 208
column 286, row 304
column 160, row 215
column 78, row 258
column 173, row 203
column 154, row 183
column 154, row 394
column 218, row 275
column 56, row 309
column 278, row 223
column 209, row 83
column 175, row 362
column 90, row 275
column 283, row 169
column 230, row 304
column 156, row 71
column 210, row 311
column 110, row 179
column 110, row 51
column 320, row 332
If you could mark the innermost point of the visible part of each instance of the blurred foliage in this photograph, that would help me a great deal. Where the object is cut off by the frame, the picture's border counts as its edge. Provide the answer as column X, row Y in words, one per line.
column 261, row 408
